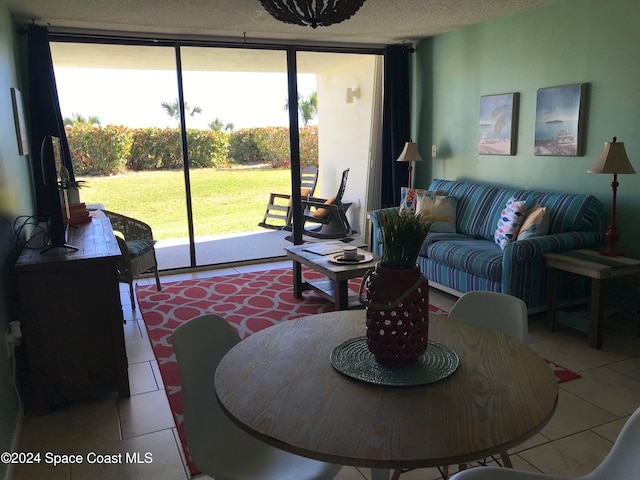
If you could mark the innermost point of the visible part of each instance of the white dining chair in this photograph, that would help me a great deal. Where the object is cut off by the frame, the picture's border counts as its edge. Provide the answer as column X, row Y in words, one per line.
column 621, row 463
column 218, row 447
column 497, row 311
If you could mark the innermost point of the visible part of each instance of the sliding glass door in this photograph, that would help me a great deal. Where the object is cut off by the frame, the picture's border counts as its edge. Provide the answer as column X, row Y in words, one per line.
column 124, row 135
column 194, row 139
column 346, row 90
column 237, row 130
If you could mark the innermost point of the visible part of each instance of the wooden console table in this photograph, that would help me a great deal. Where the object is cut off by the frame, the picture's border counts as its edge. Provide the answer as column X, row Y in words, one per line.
column 598, row 268
column 72, row 319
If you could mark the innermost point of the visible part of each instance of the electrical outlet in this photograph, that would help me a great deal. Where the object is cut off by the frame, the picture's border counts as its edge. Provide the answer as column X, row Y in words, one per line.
column 433, row 151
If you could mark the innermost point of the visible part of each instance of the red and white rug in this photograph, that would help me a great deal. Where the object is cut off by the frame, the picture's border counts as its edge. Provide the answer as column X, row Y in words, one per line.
column 249, row 301
column 562, row 374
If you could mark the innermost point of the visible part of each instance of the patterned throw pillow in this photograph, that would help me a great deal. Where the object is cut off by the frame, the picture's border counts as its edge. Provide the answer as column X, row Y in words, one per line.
column 536, row 223
column 510, row 222
column 441, row 210
column 409, row 199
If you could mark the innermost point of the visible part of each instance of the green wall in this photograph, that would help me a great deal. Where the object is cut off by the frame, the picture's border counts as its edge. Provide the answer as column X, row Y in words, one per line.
column 15, row 199
column 564, row 42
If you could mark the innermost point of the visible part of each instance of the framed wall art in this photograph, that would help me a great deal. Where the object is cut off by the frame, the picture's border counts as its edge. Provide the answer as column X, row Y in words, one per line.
column 560, row 120
column 497, row 126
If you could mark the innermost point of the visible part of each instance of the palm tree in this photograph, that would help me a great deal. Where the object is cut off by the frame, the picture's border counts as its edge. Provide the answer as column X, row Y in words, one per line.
column 217, row 125
column 77, row 119
column 173, row 109
column 308, row 107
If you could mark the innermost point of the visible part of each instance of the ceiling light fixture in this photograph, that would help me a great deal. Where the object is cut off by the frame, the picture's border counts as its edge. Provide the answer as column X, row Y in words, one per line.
column 314, row 13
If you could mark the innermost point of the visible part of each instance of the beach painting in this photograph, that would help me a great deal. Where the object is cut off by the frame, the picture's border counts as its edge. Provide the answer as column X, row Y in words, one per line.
column 497, row 124
column 559, row 120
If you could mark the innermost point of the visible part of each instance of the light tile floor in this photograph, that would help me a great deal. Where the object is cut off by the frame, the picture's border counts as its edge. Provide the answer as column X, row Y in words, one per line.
column 590, row 413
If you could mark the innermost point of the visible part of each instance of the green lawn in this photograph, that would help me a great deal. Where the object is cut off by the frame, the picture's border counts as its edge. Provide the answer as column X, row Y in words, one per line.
column 224, row 201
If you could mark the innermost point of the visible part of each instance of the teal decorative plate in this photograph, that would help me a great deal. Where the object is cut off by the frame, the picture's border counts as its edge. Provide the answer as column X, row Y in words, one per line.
column 353, row 358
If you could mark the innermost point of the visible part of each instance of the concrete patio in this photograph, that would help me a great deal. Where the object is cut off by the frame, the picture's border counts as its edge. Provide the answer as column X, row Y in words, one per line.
column 254, row 247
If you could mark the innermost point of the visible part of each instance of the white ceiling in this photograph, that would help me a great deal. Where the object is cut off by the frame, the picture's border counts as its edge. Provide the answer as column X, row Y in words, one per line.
column 378, row 22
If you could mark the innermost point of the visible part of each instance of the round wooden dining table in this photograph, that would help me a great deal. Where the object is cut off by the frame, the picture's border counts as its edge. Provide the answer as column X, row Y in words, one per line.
column 279, row 385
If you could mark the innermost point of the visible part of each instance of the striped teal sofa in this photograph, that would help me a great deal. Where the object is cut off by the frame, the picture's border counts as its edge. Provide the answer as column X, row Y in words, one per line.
column 471, row 260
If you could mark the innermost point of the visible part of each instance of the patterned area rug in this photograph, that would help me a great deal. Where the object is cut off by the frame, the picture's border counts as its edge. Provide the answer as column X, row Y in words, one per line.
column 250, row 302
column 562, row 374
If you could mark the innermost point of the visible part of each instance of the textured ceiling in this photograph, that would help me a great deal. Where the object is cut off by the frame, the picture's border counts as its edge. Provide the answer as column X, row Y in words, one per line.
column 378, row 22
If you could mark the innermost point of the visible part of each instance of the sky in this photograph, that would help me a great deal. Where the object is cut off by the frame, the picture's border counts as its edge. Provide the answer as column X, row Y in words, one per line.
column 133, row 97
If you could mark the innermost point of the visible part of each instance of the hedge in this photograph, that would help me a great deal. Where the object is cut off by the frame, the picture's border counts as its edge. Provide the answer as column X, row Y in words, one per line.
column 116, row 149
column 99, row 151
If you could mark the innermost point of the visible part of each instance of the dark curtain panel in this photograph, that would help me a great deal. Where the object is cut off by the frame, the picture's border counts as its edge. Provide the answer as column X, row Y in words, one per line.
column 44, row 109
column 396, row 122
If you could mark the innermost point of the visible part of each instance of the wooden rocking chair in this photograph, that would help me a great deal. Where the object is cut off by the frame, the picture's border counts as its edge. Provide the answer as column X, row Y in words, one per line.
column 327, row 216
column 278, row 213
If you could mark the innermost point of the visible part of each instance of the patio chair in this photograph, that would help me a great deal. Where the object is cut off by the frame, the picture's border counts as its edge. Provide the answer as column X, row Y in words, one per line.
column 138, row 254
column 278, row 213
column 217, row 445
column 327, row 217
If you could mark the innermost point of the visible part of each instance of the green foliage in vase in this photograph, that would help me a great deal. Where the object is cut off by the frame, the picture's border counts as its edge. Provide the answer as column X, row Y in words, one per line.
column 402, row 237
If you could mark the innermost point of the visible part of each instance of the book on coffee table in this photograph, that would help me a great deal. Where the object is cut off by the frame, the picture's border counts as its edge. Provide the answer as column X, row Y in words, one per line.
column 327, row 248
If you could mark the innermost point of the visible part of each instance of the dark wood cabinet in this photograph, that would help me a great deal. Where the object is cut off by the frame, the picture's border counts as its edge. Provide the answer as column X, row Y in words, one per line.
column 72, row 319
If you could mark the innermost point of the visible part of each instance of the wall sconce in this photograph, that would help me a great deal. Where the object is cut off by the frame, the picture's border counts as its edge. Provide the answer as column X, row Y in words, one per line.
column 352, row 93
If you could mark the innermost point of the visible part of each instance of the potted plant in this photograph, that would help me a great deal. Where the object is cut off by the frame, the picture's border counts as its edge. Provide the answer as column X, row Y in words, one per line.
column 69, row 188
column 397, row 298
column 402, row 238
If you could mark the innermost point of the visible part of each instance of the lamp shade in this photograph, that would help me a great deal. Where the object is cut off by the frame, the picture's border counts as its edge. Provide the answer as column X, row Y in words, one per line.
column 410, row 153
column 612, row 159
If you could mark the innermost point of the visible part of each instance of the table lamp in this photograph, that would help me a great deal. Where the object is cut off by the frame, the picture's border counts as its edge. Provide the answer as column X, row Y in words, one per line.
column 410, row 154
column 613, row 159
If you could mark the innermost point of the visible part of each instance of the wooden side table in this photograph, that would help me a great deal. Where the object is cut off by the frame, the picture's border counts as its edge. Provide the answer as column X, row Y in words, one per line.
column 598, row 268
